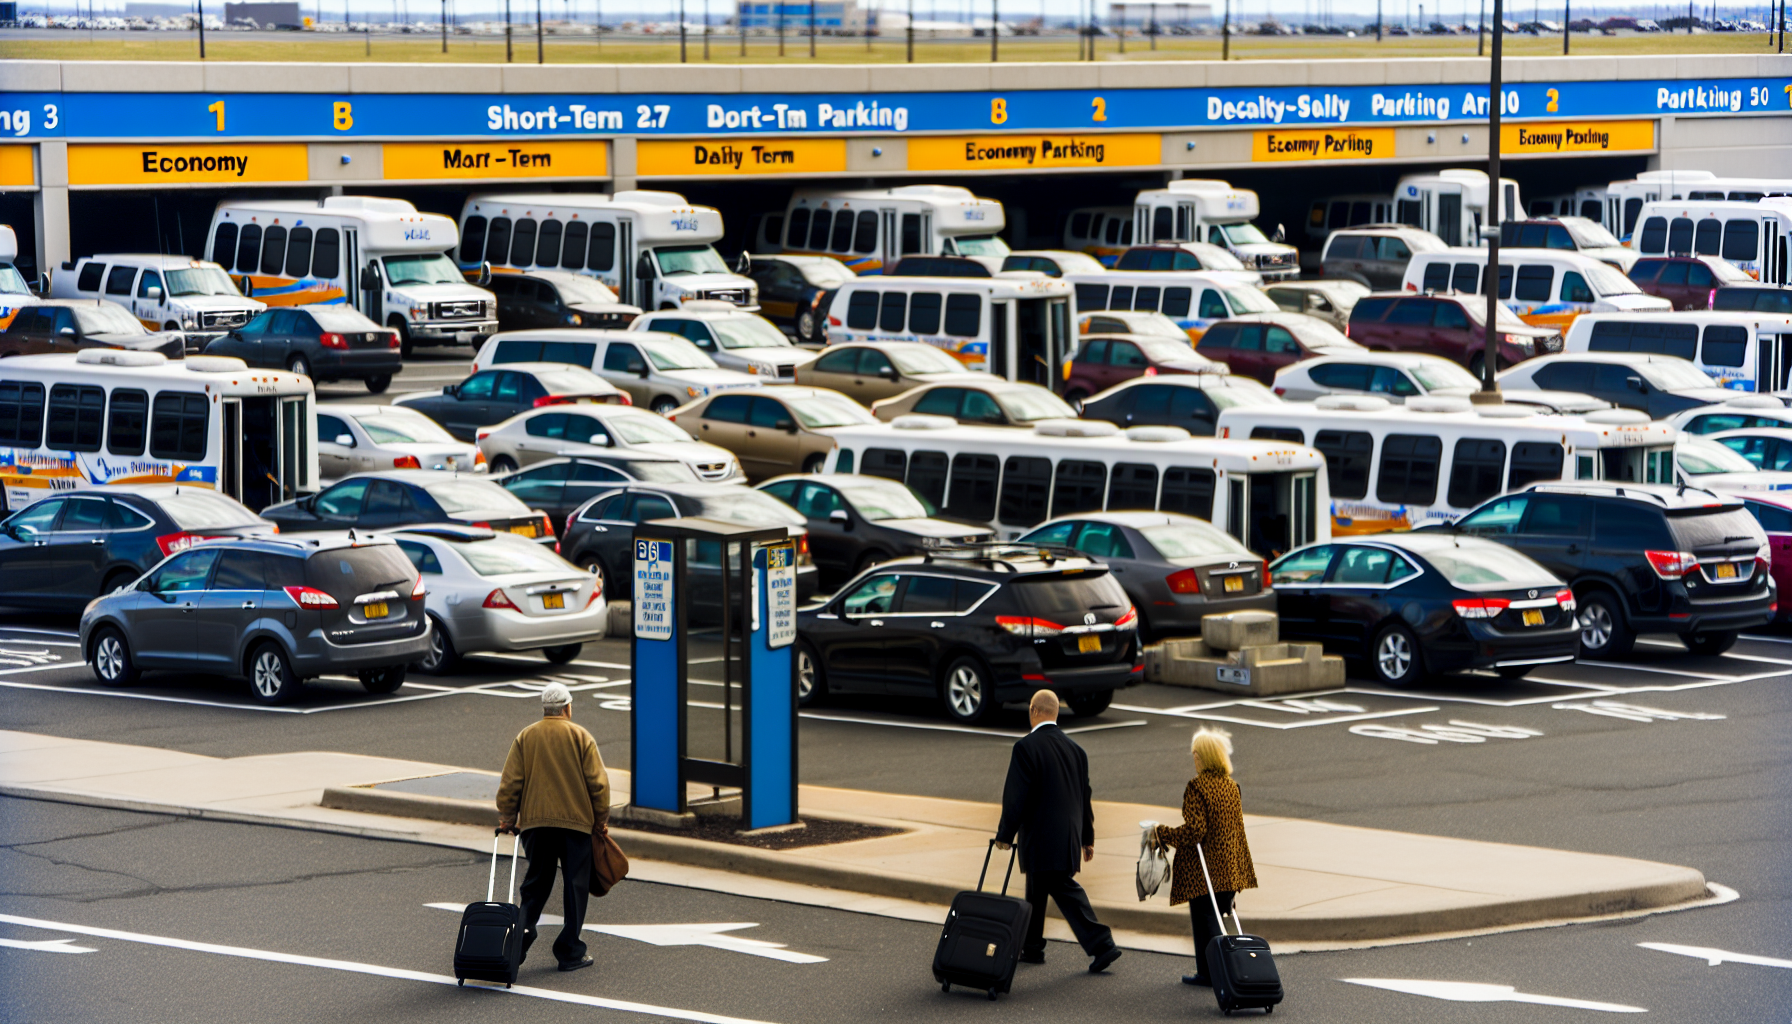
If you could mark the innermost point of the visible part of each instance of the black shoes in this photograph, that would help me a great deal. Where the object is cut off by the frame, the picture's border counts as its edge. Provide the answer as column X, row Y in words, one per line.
column 1032, row 958
column 1197, row 979
column 574, row 965
column 1104, row 960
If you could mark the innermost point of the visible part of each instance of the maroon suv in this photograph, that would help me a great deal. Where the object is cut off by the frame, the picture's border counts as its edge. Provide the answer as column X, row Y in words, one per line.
column 1445, row 325
column 1256, row 345
column 1105, row 360
column 1689, row 282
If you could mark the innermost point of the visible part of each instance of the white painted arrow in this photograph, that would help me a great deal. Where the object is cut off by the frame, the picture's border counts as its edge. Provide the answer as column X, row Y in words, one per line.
column 1476, row 992
column 1713, row 957
column 46, row 946
column 713, row 935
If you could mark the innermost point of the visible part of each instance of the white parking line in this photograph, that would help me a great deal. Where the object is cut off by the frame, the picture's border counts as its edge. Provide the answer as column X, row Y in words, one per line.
column 45, row 632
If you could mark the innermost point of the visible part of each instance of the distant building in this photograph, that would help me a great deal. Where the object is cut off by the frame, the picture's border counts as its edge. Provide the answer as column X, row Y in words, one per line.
column 832, row 17
column 1159, row 12
column 265, row 15
column 152, row 11
column 9, row 13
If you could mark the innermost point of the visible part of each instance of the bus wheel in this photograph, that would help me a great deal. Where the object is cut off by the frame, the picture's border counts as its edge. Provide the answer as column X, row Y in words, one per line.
column 378, row 385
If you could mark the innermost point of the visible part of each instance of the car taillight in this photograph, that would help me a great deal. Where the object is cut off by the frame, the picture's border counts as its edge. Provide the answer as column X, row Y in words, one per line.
column 1150, row 371
column 554, row 400
column 1346, row 334
column 480, row 435
column 1026, row 625
column 597, row 591
column 547, row 525
column 1185, row 581
column 1411, row 287
column 1671, row 565
column 330, row 339
column 1280, row 392
column 623, row 399
column 833, row 321
column 172, row 542
column 418, row 591
column 483, row 526
column 392, row 340
column 308, row 597
column 1565, row 599
column 802, row 551
column 1711, row 299
column 569, row 515
column 1129, row 620
column 406, row 462
column 496, row 599
column 478, row 458
column 1481, row 607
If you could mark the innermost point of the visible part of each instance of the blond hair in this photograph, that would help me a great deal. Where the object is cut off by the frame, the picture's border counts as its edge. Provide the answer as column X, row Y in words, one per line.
column 1213, row 750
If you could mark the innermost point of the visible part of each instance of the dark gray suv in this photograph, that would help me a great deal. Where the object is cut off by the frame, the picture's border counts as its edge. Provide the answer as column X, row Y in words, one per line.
column 277, row 611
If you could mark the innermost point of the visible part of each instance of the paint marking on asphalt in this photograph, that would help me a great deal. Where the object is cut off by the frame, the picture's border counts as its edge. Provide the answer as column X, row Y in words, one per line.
column 543, row 663
column 1009, row 734
column 200, row 702
column 1477, row 992
column 1714, row 957
column 1651, row 668
column 1208, row 716
column 45, row 632
column 376, row 970
column 715, row 936
column 47, row 946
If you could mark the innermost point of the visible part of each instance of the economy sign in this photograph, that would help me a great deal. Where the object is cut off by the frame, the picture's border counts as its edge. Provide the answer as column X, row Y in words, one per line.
column 1024, row 152
column 158, row 165
column 1322, row 144
column 1577, row 137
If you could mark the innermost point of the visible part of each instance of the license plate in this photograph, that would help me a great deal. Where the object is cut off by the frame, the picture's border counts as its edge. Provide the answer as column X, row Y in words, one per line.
column 525, row 530
column 1726, row 570
column 374, row 610
column 1533, row 616
column 552, row 601
column 1234, row 584
column 1087, row 644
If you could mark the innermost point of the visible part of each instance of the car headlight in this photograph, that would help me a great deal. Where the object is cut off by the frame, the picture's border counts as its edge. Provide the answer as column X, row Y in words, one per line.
column 575, row 319
column 187, row 323
column 419, row 312
column 695, row 392
column 933, row 542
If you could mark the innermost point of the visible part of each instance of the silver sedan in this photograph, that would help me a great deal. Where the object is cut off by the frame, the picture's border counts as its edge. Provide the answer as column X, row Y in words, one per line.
column 496, row 592
column 597, row 431
column 363, row 438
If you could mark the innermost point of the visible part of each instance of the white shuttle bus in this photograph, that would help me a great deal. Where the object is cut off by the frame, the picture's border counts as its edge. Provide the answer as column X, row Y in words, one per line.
column 1267, row 494
column 1207, row 210
column 1014, row 325
column 1452, row 204
column 1743, row 351
column 379, row 256
column 107, row 416
column 655, row 250
column 1103, row 232
column 1395, row 467
column 1194, row 299
column 869, row 230
column 1752, row 236
column 15, row 291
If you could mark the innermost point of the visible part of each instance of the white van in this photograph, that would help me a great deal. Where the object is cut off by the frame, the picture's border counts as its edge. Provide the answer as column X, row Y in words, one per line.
column 1103, row 232
column 1014, row 325
column 655, row 371
column 1452, row 204
column 655, row 250
column 378, row 255
column 1752, row 236
column 1587, row 202
column 167, row 293
column 870, row 229
column 1266, row 494
column 15, row 292
column 1194, row 299
column 1347, row 211
column 1207, row 210
column 1545, row 287
column 121, row 417
column 1624, row 199
column 1742, row 351
column 1394, row 467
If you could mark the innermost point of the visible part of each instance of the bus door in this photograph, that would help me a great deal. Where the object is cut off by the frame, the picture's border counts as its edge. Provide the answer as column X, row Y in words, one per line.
column 290, row 472
column 1773, row 263
column 998, row 358
column 1772, row 361
column 1036, row 357
column 1449, row 218
column 1414, row 208
column 230, row 455
column 890, row 243
column 625, row 265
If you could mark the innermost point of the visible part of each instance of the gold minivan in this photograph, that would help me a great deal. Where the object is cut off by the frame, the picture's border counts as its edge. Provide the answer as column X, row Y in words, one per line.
column 870, row 370
column 772, row 430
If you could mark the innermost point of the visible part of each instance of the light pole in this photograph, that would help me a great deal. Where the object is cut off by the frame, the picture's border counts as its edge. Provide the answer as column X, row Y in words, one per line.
column 201, row 29
column 1481, row 31
column 1226, row 29
column 706, row 29
column 1567, row 14
column 811, row 29
column 444, row 26
column 539, row 53
column 995, row 29
column 911, row 31
column 1490, row 351
column 681, row 57
column 507, row 51
column 1378, row 20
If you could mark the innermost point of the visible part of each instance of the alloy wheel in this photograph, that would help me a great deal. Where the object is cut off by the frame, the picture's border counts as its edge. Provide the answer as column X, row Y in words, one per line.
column 964, row 689
column 1394, row 655
column 109, row 658
column 1596, row 626
column 438, row 651
column 805, row 676
column 268, row 674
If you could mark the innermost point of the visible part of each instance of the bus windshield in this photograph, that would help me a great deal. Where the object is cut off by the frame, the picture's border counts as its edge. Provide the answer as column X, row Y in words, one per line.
column 689, row 259
column 424, row 268
column 1243, row 234
column 12, row 282
column 199, row 281
column 980, row 245
column 749, row 332
column 1610, row 281
column 107, row 319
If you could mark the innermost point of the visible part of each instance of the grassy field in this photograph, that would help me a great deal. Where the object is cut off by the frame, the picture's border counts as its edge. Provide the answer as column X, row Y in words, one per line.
column 726, row 49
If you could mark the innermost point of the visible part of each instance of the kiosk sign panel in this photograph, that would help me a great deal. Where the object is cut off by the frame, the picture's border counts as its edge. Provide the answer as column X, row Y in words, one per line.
column 780, row 595
column 653, row 590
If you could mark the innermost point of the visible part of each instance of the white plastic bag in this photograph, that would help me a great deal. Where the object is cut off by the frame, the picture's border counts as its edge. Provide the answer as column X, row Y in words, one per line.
column 1154, row 865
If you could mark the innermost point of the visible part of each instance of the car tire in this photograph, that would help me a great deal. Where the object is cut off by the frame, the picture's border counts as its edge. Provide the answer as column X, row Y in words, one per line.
column 404, row 335
column 805, row 326
column 271, row 678
column 811, row 681
column 562, row 654
column 966, row 692
column 1075, row 398
column 1710, row 642
column 1394, row 658
column 1090, row 705
column 813, row 463
column 378, row 385
column 595, row 566
column 382, row 680
column 1604, row 632
column 664, row 405
column 503, row 464
column 442, row 658
column 299, row 365
column 112, row 661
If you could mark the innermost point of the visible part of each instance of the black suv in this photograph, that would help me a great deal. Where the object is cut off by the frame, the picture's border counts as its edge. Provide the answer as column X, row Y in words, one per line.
column 1641, row 558
column 858, row 521
column 975, row 627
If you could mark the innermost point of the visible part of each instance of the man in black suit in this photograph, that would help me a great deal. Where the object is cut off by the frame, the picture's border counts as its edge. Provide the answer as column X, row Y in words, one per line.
column 1046, row 801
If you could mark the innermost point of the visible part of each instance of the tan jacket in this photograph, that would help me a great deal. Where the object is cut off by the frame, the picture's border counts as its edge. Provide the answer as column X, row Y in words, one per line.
column 1212, row 816
column 554, row 777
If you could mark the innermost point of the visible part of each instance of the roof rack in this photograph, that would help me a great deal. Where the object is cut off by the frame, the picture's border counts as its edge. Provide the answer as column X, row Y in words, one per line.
column 992, row 552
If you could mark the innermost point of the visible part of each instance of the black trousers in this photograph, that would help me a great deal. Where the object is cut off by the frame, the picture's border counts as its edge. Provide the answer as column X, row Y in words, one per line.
column 571, row 852
column 1073, row 903
column 1206, row 926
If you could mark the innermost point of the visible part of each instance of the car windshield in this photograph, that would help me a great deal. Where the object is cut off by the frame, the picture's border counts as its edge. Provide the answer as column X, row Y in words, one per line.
column 1025, row 405
column 1440, row 374
column 500, row 554
column 1215, row 258
column 1194, row 540
column 824, row 272
column 12, row 282
column 980, row 245
column 341, row 320
column 206, row 510
column 1163, row 350
column 913, row 359
column 1243, row 234
column 1698, row 457
column 1729, row 273
column 1670, row 375
column 423, row 268
column 817, row 411
column 663, row 471
column 1610, row 281
column 689, row 259
column 574, row 290
column 572, row 380
column 878, row 500
column 749, row 332
column 1155, row 324
column 107, row 319
column 199, row 281
column 1588, row 235
column 644, row 429
column 475, row 495
column 1488, row 566
column 403, row 428
column 677, row 355
column 749, row 506
column 1502, row 316
column 1241, row 391
column 1249, row 300
column 1317, row 333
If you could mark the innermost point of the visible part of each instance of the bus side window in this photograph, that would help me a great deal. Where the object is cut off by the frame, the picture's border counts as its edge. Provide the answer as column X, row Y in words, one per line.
column 119, row 281
column 971, row 491
column 861, row 310
column 864, row 238
column 1466, row 277
column 1708, row 237
column 798, row 229
column 603, row 247
column 497, row 241
column 1534, row 282
column 1025, row 484
column 21, row 414
column 1409, row 464
column 472, row 240
column 1146, row 299
column 1742, row 240
column 126, row 421
column 326, row 255
column 522, row 242
column 1176, row 302
column 911, row 234
column 1537, row 460
column 1078, row 487
column 1132, row 487
column 1475, row 471
column 547, row 245
column 298, row 253
column 1091, row 296
column 927, row 476
column 818, row 230
column 888, row 463
column 177, row 428
column 273, row 251
column 1189, row 491
column 964, row 315
column 1162, row 224
column 924, row 313
column 572, row 250
column 224, row 246
column 1348, row 455
column 842, row 239
column 76, row 415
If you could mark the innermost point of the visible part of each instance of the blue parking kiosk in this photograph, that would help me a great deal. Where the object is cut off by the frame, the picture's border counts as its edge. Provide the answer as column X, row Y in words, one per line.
column 700, row 584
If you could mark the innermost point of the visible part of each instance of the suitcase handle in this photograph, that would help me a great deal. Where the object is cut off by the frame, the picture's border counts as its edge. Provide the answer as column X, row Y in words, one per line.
column 1215, row 900
column 491, row 881
column 1013, row 852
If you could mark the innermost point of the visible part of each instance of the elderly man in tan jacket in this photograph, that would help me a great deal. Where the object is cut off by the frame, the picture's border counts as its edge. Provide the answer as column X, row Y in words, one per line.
column 555, row 790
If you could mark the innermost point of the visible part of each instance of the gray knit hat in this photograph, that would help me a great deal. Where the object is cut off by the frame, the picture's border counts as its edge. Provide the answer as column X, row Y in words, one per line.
column 555, row 696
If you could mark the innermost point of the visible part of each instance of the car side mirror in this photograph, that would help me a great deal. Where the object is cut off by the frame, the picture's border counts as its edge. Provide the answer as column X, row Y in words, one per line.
column 153, row 293
column 743, row 263
column 67, row 332
column 644, row 267
column 1636, row 384
column 370, row 281
column 839, row 516
column 485, row 273
column 1281, row 234
column 346, row 440
column 451, row 390
column 888, row 373
column 788, row 426
column 638, row 369
column 21, row 533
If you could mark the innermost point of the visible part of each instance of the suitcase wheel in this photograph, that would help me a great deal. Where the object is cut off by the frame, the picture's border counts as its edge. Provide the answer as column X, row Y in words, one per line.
column 1269, row 1009
column 945, row 986
column 462, row 982
column 992, row 995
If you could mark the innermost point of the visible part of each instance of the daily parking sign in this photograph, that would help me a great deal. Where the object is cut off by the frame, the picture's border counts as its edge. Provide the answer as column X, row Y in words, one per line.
column 780, row 595
column 653, row 590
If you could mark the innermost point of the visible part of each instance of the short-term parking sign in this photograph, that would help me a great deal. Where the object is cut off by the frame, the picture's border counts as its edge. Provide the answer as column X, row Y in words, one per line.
column 780, row 598
column 653, row 590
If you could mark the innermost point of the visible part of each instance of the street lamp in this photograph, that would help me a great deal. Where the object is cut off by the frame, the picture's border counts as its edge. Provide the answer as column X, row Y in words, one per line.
column 538, row 46
column 995, row 26
column 444, row 26
column 1490, row 350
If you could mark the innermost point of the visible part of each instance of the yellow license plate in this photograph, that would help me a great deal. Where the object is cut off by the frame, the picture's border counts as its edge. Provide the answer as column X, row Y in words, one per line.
column 552, row 601
column 1726, row 570
column 1087, row 644
column 1533, row 616
column 374, row 610
column 525, row 530
column 1234, row 584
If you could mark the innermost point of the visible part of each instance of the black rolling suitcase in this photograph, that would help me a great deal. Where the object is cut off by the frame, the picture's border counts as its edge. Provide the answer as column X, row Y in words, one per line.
column 490, row 944
column 981, row 942
column 1241, row 967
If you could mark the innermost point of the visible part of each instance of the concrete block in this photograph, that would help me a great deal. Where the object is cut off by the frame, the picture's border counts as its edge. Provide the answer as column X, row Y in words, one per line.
column 426, row 78
column 1467, row 71
column 1420, row 71
column 1082, row 75
column 135, row 76
column 268, row 77
column 1158, row 74
column 559, row 78
column 678, row 78
column 1236, row 630
column 1252, row 73
column 930, row 77
column 31, row 76
column 1347, row 72
column 835, row 78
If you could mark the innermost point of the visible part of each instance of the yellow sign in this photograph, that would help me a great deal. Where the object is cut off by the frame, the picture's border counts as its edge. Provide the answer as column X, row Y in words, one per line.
column 16, row 167
column 407, row 161
column 1577, row 137
column 185, row 164
column 656, row 157
column 1323, row 144
column 1032, row 152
